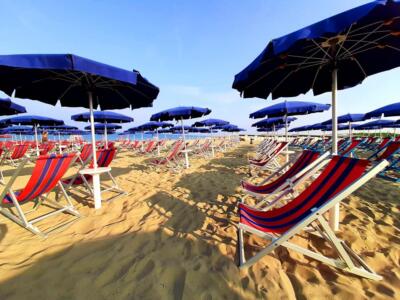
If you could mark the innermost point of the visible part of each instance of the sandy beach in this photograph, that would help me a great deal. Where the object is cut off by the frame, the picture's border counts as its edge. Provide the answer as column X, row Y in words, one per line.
column 174, row 237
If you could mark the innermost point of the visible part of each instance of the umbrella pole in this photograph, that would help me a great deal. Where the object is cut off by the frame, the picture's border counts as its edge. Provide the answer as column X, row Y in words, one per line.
column 106, row 134
column 95, row 176
column 184, row 143
column 334, row 211
column 158, row 143
column 59, row 143
column 350, row 131
column 286, row 139
column 212, row 143
column 36, row 140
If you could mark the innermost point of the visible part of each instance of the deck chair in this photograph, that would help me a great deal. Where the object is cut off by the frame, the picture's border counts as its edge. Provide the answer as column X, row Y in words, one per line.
column 104, row 159
column 391, row 153
column 86, row 154
column 271, row 161
column 16, row 153
column 46, row 176
column 341, row 177
column 350, row 149
column 171, row 160
column 305, row 165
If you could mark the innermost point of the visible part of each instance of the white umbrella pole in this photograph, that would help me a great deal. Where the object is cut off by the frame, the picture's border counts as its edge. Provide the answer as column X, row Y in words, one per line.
column 59, row 143
column 95, row 176
column 286, row 139
column 36, row 140
column 158, row 143
column 350, row 131
column 106, row 134
column 334, row 211
column 184, row 143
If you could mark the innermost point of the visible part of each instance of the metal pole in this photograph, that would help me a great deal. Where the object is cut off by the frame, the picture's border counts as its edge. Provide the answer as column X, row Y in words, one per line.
column 37, row 142
column 184, row 143
column 334, row 211
column 158, row 143
column 286, row 138
column 95, row 177
column 106, row 134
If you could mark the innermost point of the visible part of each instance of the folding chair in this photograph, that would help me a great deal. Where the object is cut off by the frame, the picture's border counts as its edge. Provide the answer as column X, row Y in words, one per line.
column 104, row 159
column 16, row 153
column 350, row 149
column 341, row 177
column 271, row 161
column 171, row 160
column 46, row 176
column 306, row 165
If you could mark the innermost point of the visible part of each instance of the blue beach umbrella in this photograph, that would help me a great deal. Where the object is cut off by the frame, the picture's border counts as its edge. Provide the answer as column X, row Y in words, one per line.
column 7, row 107
column 101, row 127
column 347, row 118
column 181, row 113
column 271, row 122
column 33, row 120
column 385, row 111
column 377, row 124
column 336, row 53
column 70, row 79
column 211, row 123
column 289, row 108
column 104, row 117
column 154, row 125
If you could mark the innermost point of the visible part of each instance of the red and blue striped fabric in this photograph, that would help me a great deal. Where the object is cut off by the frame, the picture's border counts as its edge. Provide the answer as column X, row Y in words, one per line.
column 263, row 162
column 19, row 151
column 48, row 171
column 338, row 174
column 86, row 152
column 306, row 158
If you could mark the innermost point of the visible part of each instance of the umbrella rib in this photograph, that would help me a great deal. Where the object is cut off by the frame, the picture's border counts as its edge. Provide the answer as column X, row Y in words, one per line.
column 358, row 63
column 322, row 49
column 365, row 37
column 345, row 39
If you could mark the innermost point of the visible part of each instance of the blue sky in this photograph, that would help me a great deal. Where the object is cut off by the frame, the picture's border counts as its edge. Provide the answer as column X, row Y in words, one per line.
column 190, row 49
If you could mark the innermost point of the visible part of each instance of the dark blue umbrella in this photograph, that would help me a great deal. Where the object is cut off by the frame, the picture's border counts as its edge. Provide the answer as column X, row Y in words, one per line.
column 289, row 108
column 103, row 117
column 300, row 129
column 233, row 129
column 32, row 120
column 101, row 127
column 59, row 127
column 347, row 118
column 7, row 107
column 17, row 129
column 154, row 125
column 386, row 111
column 70, row 79
column 210, row 123
column 377, row 124
column 336, row 53
column 181, row 113
column 273, row 121
column 199, row 130
column 179, row 128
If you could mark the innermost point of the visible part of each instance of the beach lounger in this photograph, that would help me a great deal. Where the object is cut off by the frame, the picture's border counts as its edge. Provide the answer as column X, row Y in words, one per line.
column 171, row 160
column 46, row 176
column 271, row 161
column 14, row 154
column 304, row 166
column 350, row 149
column 341, row 177
column 104, row 159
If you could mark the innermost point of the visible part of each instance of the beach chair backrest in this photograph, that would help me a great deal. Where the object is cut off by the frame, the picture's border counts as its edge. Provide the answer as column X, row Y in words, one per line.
column 48, row 170
column 391, row 149
column 19, row 151
column 351, row 147
column 175, row 150
column 150, row 146
column 384, row 142
column 86, row 152
column 340, row 173
column 104, row 157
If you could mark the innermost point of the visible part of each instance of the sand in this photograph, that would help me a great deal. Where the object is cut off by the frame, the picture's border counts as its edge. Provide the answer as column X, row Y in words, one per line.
column 174, row 237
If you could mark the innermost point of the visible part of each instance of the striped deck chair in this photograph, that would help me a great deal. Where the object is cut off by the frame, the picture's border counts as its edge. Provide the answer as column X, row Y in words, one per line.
column 271, row 161
column 104, row 159
column 46, row 148
column 349, row 151
column 341, row 177
column 86, row 154
column 13, row 155
column 46, row 176
column 305, row 165
column 171, row 160
column 391, row 153
column 386, row 152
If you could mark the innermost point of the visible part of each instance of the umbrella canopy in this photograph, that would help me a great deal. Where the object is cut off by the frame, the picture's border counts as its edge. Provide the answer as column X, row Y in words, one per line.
column 179, row 113
column 233, row 129
column 347, row 118
column 31, row 120
column 273, row 121
column 300, row 129
column 17, row 129
column 328, row 127
column 153, row 125
column 199, row 130
column 210, row 123
column 68, row 78
column 165, row 130
column 290, row 108
column 386, row 111
column 59, row 127
column 7, row 107
column 378, row 124
column 101, row 127
column 180, row 128
column 102, row 117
